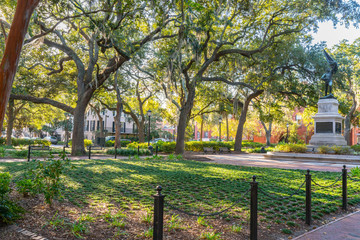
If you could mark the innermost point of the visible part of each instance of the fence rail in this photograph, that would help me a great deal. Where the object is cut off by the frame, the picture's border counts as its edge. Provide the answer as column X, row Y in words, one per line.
column 159, row 202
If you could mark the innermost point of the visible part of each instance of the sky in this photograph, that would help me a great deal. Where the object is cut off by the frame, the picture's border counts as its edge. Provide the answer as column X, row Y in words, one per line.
column 333, row 35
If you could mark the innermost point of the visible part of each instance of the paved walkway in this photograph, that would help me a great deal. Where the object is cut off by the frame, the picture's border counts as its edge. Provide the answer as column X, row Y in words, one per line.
column 258, row 160
column 346, row 228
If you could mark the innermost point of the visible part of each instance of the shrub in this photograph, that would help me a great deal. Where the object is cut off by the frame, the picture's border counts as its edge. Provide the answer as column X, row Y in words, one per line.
column 87, row 143
column 128, row 152
column 356, row 147
column 291, row 147
column 167, row 147
column 199, row 146
column 26, row 187
column 341, row 149
column 355, row 172
column 258, row 150
column 111, row 143
column 136, row 144
column 45, row 177
column 22, row 142
column 324, row 149
column 9, row 210
column 5, row 179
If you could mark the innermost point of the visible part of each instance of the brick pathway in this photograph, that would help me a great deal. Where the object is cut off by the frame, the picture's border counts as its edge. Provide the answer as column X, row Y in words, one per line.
column 346, row 228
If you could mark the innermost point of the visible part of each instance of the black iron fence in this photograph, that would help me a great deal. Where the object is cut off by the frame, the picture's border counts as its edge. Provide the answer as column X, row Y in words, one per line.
column 159, row 202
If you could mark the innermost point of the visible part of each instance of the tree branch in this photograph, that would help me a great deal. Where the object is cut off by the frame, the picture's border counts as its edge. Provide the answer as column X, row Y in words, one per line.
column 38, row 100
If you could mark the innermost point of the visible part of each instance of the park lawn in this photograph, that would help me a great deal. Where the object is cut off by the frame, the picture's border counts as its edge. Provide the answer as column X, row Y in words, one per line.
column 112, row 199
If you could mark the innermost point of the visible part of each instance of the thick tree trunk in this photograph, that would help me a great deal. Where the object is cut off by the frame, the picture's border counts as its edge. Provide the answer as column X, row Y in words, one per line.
column 141, row 131
column 227, row 127
column 267, row 132
column 183, row 121
column 242, row 120
column 9, row 63
column 10, row 122
column 79, row 118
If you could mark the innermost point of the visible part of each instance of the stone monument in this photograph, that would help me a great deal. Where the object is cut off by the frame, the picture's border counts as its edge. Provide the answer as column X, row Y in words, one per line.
column 328, row 121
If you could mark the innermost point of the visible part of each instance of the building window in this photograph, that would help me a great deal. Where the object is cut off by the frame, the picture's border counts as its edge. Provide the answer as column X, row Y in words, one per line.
column 114, row 113
column 92, row 126
column 206, row 135
column 98, row 125
column 113, row 126
column 87, row 126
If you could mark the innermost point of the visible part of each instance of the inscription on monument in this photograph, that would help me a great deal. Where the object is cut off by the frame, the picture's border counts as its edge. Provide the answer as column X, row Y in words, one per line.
column 338, row 128
column 324, row 127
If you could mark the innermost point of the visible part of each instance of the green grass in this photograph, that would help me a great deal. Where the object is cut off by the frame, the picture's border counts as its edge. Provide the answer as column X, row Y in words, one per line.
column 196, row 187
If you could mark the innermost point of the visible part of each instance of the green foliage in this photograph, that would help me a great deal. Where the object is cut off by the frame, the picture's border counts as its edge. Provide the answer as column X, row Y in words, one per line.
column 286, row 231
column 9, row 211
column 291, row 147
column 258, row 150
column 136, row 144
column 26, row 187
column 199, row 146
column 341, row 149
column 356, row 147
column 210, row 235
column 196, row 146
column 111, row 143
column 87, row 143
column 324, row 149
column 5, row 179
column 128, row 152
column 45, row 177
column 23, row 142
column 355, row 172
column 167, row 147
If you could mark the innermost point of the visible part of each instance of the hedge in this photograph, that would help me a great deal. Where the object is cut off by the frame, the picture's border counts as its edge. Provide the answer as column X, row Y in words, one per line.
column 291, row 147
column 87, row 143
column 196, row 146
column 23, row 142
column 128, row 152
column 111, row 143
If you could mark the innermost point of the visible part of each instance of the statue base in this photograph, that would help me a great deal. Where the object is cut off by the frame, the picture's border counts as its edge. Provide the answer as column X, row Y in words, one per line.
column 328, row 123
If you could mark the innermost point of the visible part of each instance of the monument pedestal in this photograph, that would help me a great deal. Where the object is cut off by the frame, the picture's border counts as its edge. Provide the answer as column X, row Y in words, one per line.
column 328, row 124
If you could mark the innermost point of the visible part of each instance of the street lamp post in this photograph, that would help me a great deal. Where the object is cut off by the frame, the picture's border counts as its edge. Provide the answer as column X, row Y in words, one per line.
column 220, row 120
column 287, row 132
column 149, row 115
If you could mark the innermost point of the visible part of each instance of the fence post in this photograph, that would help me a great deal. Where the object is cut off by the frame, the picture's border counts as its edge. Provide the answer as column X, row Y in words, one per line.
column 64, row 149
column 308, row 198
column 115, row 151
column 344, row 188
column 138, row 150
column 29, row 152
column 158, row 214
column 89, row 152
column 253, row 209
column 157, row 149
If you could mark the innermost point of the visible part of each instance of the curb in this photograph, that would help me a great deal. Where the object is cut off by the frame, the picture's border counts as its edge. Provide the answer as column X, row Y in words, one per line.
column 312, row 157
column 323, row 226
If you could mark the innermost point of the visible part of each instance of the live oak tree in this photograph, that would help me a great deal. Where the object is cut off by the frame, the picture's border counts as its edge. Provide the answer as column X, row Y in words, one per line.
column 347, row 82
column 208, row 33
column 14, row 42
column 99, row 37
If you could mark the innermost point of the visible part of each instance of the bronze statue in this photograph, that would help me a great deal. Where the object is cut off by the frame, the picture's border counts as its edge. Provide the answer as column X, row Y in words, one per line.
column 327, row 77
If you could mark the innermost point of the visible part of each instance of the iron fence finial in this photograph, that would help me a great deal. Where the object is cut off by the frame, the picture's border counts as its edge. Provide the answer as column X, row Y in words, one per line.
column 344, row 166
column 158, row 189
column 254, row 178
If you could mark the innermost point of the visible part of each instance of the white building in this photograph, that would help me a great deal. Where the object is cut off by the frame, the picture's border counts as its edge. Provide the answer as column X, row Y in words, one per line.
column 92, row 125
